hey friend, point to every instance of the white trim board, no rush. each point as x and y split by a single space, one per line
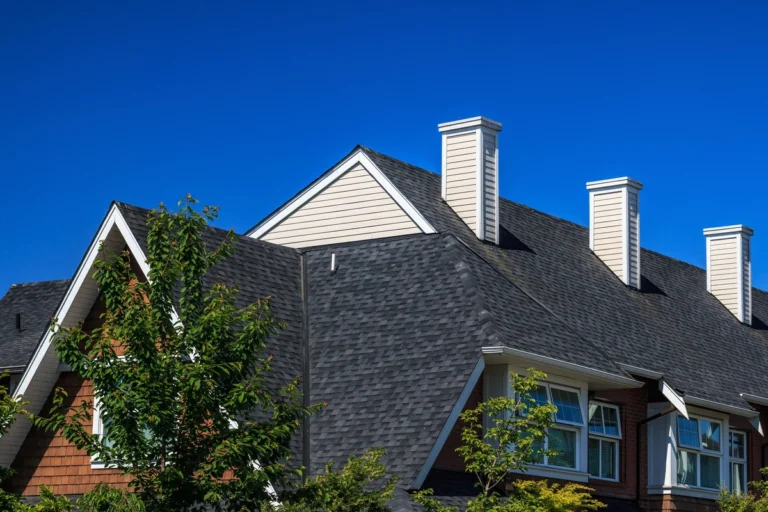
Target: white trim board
449 424
42 372
358 157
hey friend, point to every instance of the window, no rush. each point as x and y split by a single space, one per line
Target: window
563 437
604 433
699 452
737 453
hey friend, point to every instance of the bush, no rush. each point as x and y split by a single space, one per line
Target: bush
104 498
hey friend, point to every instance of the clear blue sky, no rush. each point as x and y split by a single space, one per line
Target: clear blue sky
242 104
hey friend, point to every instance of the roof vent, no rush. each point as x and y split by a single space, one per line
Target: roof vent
471 173
729 269
614 226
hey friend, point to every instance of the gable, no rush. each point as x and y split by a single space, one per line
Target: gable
353 201
354 207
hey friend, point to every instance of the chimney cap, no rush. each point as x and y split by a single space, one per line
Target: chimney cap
626 181
729 230
469 123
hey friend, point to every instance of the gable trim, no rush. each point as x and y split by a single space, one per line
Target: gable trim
449 424
358 157
44 351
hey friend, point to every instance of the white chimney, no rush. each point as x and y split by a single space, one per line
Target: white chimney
471 173
614 226
729 269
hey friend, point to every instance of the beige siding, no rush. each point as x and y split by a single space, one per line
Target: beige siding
724 272
634 239
354 207
609 230
461 176
490 186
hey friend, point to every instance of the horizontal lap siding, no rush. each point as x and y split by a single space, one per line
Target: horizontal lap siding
609 230
724 272
354 207
490 186
461 176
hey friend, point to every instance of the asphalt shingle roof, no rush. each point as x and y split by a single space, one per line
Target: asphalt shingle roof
37 303
673 325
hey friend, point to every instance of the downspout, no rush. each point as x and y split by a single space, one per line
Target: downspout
305 439
639 451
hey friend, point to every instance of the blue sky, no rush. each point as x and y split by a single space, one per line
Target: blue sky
242 104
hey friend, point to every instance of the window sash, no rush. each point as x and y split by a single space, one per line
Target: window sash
572 391
601 444
743 446
603 431
701 455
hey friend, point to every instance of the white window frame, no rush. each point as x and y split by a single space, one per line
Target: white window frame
605 438
496 378
700 450
737 460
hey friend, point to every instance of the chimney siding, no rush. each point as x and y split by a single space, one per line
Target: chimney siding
470 173
614 226
729 269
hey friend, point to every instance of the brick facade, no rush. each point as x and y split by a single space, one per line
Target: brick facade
623 495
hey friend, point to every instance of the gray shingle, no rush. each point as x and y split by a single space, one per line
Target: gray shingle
672 326
37 303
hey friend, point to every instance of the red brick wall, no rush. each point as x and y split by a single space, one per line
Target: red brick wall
633 406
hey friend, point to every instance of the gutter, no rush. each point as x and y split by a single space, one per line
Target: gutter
618 379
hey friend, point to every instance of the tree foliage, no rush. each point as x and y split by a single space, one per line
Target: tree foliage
755 500
105 498
511 440
187 403
360 486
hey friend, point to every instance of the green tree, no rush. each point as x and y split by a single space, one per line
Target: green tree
360 486
755 500
189 408
511 440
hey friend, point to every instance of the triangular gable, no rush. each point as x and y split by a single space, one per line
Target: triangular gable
353 201
43 370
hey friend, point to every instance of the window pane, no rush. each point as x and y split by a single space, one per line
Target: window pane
608 459
710 435
594 457
540 395
564 443
687 432
595 419
611 420
105 433
686 468
710 471
568 408
737 445
738 478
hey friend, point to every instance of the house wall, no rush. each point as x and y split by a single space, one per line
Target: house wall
609 230
354 207
724 272
461 175
47 458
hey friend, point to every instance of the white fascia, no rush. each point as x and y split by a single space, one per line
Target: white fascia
358 157
566 365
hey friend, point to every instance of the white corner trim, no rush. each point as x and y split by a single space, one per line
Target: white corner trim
626 271
359 157
479 186
444 166
674 398
610 377
450 422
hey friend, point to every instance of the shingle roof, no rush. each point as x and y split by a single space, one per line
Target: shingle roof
36 302
673 325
